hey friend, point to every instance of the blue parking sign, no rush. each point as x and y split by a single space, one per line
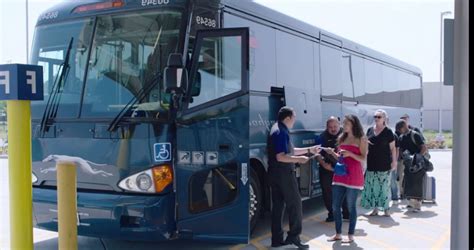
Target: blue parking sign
21 82
162 151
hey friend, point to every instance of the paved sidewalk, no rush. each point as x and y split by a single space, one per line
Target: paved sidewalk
429 229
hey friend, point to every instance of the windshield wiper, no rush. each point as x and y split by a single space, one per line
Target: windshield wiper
51 109
136 98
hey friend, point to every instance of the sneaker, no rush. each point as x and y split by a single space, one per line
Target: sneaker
395 202
416 210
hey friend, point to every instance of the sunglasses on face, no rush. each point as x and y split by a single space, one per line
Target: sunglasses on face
377 117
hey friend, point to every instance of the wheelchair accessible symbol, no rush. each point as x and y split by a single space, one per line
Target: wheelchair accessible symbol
162 151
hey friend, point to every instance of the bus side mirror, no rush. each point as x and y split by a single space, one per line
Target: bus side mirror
175 75
196 89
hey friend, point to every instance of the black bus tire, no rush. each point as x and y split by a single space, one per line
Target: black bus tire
256 202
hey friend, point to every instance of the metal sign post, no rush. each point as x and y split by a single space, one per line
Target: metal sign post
19 84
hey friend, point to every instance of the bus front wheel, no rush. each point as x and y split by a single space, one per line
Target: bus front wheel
255 204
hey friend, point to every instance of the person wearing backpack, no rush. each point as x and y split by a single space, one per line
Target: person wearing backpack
411 143
406 118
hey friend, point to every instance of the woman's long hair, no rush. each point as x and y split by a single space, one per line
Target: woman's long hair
357 129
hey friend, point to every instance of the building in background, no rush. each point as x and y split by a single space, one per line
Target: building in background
437 98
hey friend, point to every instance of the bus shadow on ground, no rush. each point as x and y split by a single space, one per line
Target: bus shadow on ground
97 243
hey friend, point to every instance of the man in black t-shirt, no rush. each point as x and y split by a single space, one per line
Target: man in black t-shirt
327 162
411 142
406 118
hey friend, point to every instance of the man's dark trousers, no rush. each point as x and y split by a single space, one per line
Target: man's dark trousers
285 192
325 179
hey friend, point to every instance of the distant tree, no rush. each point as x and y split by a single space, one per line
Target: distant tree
3 107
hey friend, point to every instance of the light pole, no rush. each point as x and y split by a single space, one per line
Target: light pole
440 136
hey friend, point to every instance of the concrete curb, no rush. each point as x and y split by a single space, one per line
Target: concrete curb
440 149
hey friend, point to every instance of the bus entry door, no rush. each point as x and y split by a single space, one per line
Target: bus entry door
212 166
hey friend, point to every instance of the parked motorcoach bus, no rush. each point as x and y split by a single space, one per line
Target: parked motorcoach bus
165 107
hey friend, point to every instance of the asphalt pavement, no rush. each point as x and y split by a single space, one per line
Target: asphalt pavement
428 229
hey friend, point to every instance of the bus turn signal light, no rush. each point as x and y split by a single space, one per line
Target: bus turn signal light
162 176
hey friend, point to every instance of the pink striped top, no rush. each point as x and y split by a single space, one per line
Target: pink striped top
355 176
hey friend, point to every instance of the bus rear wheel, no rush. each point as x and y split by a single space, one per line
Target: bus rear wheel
255 204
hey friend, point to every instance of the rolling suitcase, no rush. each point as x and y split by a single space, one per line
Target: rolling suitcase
429 189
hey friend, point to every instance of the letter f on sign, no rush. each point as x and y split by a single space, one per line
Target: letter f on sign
5 81
32 80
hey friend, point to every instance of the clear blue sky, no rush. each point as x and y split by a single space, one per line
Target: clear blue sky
405 29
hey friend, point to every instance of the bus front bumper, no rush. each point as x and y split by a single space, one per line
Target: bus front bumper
115 216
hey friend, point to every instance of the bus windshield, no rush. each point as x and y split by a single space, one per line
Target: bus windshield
129 52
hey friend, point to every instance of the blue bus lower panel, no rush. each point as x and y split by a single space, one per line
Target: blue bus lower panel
127 217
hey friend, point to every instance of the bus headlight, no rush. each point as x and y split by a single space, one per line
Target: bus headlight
144 182
153 180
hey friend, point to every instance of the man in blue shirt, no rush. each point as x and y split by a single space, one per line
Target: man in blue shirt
284 187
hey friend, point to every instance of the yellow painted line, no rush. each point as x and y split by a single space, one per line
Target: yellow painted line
377 242
258 239
367 238
259 246
424 221
405 231
313 216
312 242
442 240
238 247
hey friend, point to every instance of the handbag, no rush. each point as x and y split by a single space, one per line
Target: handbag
427 165
340 168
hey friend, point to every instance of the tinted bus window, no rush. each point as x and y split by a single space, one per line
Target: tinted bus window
262 57
347 77
415 91
49 51
294 61
316 69
392 96
331 80
127 56
373 82
404 89
358 76
220 62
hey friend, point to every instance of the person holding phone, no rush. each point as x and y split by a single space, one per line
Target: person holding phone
326 163
352 146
